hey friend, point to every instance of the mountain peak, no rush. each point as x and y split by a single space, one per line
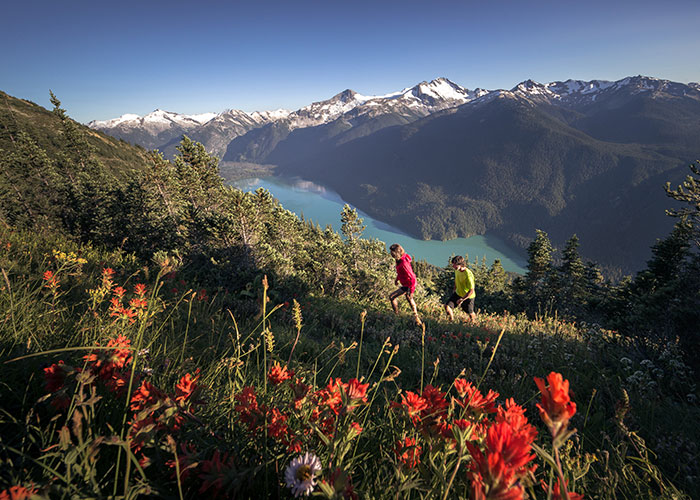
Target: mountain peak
346 95
437 91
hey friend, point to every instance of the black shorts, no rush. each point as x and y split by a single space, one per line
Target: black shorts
467 305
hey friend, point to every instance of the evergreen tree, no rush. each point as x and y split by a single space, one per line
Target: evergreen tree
198 175
497 279
663 301
689 193
351 223
86 188
573 288
494 290
536 289
29 185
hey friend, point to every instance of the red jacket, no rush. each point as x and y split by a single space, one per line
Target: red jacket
404 272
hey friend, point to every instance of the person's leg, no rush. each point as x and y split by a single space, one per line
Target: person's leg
468 307
448 309
414 308
393 299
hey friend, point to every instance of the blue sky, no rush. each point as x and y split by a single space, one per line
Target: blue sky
104 59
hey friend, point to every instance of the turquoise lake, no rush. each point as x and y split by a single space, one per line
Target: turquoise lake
322 206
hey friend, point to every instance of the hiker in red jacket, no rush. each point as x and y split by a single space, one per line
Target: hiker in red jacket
407 278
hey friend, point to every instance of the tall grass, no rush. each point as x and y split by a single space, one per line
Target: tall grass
195 358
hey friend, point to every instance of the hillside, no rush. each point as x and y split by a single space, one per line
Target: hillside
169 336
16 115
504 168
512 162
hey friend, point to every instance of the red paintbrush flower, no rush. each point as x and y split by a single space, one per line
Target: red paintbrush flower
556 491
556 407
496 471
408 452
279 374
185 387
355 390
54 377
413 404
473 400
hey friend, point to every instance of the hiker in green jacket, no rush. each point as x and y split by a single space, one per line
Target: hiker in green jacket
464 292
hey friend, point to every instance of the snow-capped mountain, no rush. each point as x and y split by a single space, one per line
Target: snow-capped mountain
574 93
161 129
218 132
153 129
349 115
420 100
593 155
257 133
156 121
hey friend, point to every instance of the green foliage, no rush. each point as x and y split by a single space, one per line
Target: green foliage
209 253
93 446
662 303
689 193
351 223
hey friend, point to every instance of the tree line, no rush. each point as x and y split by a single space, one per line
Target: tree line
230 239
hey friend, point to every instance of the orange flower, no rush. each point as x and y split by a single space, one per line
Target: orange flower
413 404
185 387
140 289
472 398
51 280
556 407
248 409
54 377
408 452
138 303
277 426
330 397
106 363
556 492
355 390
117 310
146 395
17 493
279 374
496 471
435 413
514 414
435 399
120 357
119 291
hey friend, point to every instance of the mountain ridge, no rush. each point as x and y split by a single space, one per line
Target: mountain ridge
538 156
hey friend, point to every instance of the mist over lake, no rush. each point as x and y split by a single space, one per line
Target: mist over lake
322 206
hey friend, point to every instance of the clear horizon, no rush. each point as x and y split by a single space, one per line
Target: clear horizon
103 61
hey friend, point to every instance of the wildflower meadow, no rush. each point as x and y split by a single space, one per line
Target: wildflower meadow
127 381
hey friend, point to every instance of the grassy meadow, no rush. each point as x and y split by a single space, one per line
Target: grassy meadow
164 335
126 379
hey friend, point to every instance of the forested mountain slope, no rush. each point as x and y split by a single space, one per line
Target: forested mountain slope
511 163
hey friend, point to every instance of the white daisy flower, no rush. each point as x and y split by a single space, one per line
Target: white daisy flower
300 473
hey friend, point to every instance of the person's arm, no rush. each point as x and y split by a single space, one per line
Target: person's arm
462 299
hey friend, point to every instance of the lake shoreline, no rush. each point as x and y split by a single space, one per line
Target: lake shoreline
322 205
